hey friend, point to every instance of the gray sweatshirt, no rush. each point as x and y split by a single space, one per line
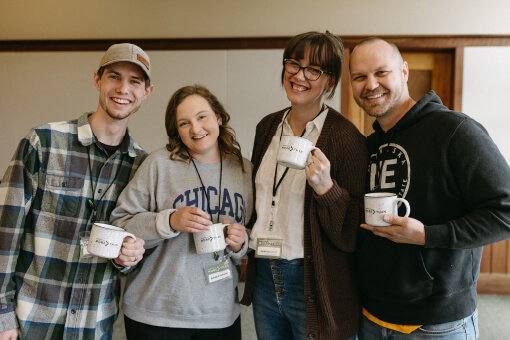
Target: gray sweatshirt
169 288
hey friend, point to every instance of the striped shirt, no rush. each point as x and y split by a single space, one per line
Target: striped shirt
48 198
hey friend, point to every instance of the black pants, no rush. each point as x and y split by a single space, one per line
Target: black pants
140 331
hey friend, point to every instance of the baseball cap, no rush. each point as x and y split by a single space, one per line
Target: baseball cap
127 52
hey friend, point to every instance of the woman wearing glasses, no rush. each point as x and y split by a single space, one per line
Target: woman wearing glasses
300 273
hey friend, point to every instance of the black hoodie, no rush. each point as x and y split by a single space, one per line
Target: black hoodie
458 185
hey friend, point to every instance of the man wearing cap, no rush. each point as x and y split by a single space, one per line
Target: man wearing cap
62 178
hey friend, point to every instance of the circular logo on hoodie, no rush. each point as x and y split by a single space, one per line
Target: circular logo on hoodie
390 170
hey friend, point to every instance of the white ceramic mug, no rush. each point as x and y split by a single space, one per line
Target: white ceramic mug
210 240
293 151
378 204
106 240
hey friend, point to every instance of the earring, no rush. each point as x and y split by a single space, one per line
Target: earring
220 123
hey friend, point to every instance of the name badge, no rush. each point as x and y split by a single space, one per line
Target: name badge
218 272
270 248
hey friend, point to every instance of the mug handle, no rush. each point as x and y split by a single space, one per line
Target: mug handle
224 226
408 207
129 235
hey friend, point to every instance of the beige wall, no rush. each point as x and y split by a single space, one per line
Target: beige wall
54 86
94 19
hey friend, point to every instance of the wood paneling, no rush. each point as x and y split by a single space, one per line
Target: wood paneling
443 65
499 256
497 284
420 83
507 271
496 258
485 264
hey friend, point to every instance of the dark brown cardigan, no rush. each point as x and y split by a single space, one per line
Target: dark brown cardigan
331 222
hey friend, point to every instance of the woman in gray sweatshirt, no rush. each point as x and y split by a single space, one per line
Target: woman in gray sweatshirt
198 179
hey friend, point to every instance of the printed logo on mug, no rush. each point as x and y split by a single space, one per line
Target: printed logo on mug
106 240
293 151
378 204
210 240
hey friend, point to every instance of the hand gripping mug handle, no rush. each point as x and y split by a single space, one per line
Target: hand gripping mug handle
224 226
129 235
408 208
312 148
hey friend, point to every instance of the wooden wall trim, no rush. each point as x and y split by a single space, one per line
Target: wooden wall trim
147 44
408 43
345 87
420 43
458 73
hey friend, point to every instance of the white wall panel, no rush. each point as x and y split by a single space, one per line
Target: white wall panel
47 87
171 71
44 87
254 90
486 91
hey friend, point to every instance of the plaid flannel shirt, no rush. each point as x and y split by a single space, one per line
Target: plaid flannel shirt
47 288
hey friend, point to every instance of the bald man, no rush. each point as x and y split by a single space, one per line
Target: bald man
418 275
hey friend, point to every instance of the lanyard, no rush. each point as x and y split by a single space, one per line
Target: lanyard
216 255
92 202
277 185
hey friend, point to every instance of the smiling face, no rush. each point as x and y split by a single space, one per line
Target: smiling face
121 90
303 92
379 79
198 128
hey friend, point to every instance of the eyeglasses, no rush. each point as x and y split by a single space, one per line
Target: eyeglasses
310 73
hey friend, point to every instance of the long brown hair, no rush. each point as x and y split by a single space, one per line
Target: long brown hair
226 140
326 51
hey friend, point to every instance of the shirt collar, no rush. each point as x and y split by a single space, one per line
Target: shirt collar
318 122
86 136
